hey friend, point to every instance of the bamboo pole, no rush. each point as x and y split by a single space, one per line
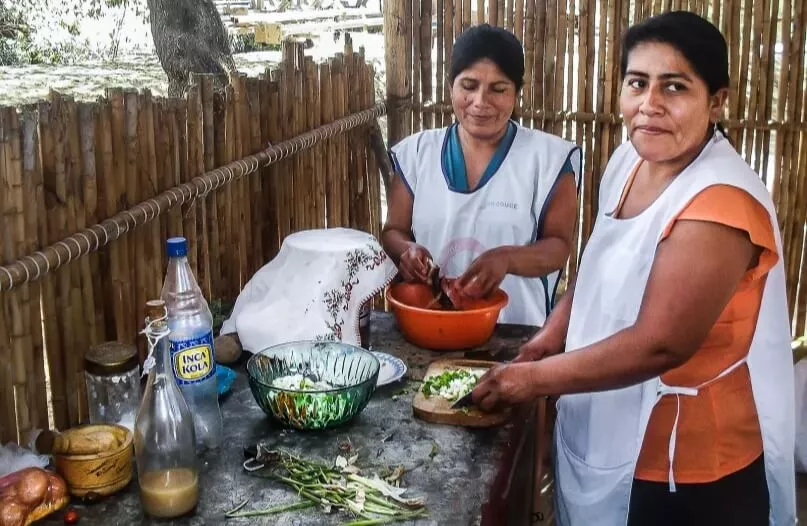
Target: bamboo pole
440 67
538 66
782 186
33 196
53 333
273 135
193 161
215 115
57 215
255 242
162 149
300 186
173 175
426 71
337 80
560 62
81 294
762 139
448 44
8 413
569 29
267 183
232 213
196 167
17 303
417 57
796 151
211 241
314 120
529 64
396 49
742 101
242 149
87 185
374 176
326 90
149 270
224 155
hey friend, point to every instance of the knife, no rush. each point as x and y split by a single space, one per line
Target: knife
464 401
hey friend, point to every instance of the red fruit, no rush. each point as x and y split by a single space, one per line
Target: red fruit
71 516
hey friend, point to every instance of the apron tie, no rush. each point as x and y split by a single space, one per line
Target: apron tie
664 390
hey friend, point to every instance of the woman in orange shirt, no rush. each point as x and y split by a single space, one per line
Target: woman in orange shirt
676 386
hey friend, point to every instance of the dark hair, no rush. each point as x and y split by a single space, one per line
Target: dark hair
494 43
697 39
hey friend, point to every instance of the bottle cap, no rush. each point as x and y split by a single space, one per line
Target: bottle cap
176 247
110 358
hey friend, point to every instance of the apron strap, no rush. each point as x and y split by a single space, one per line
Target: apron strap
664 390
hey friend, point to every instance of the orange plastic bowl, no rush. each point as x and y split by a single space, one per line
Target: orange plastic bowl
443 330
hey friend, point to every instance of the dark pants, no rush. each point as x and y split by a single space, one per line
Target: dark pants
739 499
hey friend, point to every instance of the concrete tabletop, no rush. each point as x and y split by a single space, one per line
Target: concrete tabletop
454 468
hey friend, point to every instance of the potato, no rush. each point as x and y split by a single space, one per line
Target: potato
32 488
12 513
228 349
58 488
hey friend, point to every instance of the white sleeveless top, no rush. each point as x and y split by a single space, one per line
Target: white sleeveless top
508 209
599 435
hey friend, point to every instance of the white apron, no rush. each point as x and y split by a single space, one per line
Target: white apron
457 227
599 435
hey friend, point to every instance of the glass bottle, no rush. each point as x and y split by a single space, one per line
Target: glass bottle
191 341
164 437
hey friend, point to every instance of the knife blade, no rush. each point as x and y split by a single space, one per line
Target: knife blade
464 401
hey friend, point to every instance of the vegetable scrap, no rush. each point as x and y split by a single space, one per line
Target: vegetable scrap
341 486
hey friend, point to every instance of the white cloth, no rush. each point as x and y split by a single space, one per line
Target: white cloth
509 209
599 435
312 290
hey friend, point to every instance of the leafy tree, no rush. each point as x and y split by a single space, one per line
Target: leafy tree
188 35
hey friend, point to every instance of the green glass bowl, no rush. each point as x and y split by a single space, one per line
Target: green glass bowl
352 371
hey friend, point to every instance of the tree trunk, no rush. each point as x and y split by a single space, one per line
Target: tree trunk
190 38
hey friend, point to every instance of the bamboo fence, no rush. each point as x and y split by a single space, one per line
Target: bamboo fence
105 183
571 88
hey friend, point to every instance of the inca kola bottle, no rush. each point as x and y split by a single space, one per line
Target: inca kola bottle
191 340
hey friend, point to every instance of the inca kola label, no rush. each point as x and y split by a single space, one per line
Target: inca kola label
192 364
193 359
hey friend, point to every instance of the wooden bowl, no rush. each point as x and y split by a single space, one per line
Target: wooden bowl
443 330
101 473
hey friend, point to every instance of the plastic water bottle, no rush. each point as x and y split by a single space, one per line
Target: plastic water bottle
191 340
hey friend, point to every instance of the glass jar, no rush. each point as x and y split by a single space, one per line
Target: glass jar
364 323
112 375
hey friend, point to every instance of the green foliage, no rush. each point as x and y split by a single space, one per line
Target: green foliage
26 27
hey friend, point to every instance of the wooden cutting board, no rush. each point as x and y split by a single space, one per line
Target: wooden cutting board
437 409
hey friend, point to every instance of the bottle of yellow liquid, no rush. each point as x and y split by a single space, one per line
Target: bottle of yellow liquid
164 437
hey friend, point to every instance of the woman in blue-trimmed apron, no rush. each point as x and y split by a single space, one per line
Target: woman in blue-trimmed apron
676 384
487 201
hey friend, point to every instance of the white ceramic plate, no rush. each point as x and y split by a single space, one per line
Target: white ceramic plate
392 368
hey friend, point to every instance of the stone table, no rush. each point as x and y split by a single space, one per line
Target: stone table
454 468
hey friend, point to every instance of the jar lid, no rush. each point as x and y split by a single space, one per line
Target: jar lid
110 358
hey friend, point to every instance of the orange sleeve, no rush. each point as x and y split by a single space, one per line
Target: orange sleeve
733 207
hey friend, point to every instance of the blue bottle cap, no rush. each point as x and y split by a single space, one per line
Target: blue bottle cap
176 247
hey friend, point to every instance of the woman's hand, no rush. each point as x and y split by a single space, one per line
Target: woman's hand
540 346
414 263
483 276
505 385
